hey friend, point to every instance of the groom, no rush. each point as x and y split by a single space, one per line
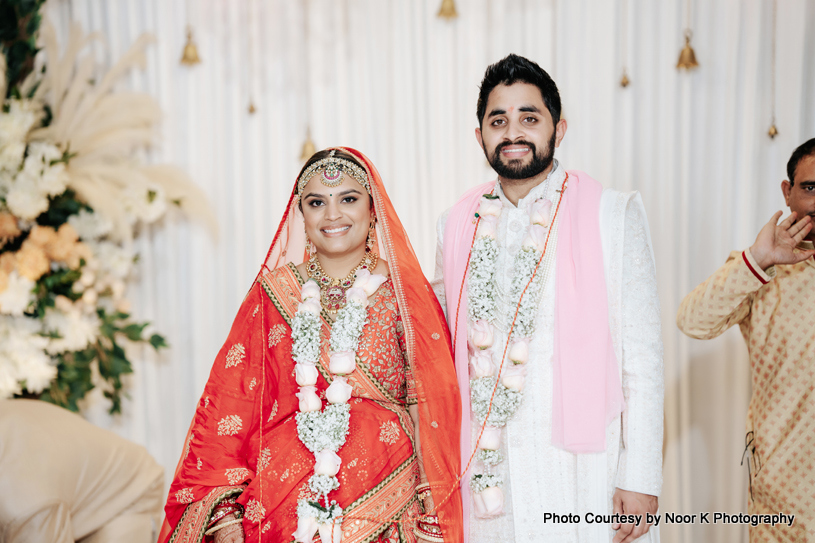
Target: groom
550 292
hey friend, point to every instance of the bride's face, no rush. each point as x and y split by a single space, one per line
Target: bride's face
337 218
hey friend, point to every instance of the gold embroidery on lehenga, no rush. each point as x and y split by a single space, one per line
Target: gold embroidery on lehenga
276 334
184 495
229 425
389 432
235 355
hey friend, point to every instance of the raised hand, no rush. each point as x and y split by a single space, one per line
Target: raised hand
776 242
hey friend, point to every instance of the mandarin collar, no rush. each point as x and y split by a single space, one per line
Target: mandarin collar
556 178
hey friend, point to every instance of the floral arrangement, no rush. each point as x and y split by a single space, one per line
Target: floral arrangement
72 197
496 392
323 431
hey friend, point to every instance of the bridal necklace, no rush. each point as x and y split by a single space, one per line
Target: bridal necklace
332 289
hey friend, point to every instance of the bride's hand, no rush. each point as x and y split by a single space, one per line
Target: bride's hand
230 534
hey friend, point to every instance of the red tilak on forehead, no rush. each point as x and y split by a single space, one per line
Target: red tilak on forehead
511 109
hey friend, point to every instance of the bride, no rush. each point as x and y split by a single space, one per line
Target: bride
333 407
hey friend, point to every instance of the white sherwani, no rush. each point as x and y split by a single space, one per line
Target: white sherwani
540 478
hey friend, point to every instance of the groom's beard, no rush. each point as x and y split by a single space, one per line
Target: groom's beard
514 169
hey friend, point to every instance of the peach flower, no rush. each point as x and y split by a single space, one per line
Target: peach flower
327 462
481 364
519 352
536 239
339 391
481 335
310 290
8 226
541 212
309 401
306 528
32 263
369 282
490 439
3 281
342 363
489 207
487 227
489 503
305 374
8 262
514 377
41 235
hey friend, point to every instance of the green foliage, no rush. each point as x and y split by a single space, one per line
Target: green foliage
74 377
19 22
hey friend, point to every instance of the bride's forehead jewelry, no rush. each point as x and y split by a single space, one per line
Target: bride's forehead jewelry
332 169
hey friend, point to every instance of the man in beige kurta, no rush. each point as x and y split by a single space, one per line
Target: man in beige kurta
63 480
769 291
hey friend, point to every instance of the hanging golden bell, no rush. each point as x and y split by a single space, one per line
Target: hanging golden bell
687 57
624 82
773 131
190 55
447 10
308 147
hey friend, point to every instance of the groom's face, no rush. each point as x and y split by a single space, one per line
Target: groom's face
517 133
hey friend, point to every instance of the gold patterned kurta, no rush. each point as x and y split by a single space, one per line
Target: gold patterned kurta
775 309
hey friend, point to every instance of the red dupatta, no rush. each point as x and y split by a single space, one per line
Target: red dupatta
265 390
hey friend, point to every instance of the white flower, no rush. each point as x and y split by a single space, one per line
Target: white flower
76 329
305 374
487 227
309 401
358 295
368 282
342 363
490 439
339 391
481 364
19 294
489 207
146 204
541 212
519 352
112 259
90 297
331 532
49 180
327 462
312 305
22 357
25 200
306 528
514 377
481 335
489 502
310 290
536 239
89 225
11 155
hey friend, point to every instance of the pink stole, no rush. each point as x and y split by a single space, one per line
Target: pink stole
587 392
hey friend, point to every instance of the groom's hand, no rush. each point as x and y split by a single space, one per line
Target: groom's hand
632 503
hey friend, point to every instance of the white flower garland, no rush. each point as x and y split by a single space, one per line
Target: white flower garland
324 431
504 390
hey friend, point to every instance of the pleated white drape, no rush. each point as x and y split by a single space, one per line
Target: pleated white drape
391 79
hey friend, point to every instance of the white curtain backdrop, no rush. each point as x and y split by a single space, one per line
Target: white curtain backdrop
391 79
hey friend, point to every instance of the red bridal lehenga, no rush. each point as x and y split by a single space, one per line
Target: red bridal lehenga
243 438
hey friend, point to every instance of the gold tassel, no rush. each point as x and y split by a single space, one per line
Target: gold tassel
773 131
624 82
687 57
447 10
190 55
308 147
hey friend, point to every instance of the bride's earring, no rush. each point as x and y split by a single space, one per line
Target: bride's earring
310 248
371 243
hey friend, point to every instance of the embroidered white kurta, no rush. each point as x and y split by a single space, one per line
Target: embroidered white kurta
540 478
